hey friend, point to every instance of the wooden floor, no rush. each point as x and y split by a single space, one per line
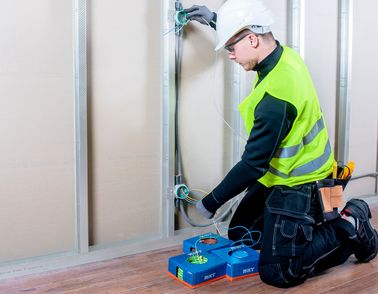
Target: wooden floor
147 273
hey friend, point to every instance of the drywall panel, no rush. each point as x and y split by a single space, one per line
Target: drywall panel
202 133
206 102
320 55
364 104
125 119
36 130
279 9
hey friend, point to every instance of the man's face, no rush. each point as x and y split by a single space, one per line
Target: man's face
242 49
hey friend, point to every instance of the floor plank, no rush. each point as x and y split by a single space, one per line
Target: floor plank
147 273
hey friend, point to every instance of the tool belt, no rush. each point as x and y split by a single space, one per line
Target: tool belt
331 196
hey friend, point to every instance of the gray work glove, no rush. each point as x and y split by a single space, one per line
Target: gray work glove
203 211
202 14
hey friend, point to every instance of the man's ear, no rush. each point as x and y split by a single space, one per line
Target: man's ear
253 40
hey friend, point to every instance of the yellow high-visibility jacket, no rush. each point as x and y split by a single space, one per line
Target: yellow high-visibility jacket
305 154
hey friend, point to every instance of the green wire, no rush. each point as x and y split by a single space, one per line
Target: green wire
197 259
181 18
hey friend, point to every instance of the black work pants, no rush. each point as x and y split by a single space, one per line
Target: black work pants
295 243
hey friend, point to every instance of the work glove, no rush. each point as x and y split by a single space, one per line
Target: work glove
202 14
203 211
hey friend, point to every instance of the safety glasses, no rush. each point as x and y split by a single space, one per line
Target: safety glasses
230 47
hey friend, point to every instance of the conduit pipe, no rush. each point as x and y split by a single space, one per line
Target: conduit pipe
178 176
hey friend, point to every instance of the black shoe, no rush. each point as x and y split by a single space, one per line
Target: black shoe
366 235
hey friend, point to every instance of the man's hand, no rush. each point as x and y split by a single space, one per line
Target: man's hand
202 14
203 211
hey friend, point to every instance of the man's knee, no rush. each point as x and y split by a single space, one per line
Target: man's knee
279 275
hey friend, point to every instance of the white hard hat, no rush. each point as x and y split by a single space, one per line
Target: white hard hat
235 15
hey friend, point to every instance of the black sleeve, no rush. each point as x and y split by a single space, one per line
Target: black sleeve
273 121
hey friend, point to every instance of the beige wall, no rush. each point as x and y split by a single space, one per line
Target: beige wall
36 112
125 120
364 124
202 131
320 55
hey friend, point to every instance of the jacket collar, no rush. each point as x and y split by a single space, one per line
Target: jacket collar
269 62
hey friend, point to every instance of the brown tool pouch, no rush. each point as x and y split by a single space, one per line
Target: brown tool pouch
331 197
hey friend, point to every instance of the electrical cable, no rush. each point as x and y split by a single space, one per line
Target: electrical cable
220 218
178 62
211 236
242 239
181 203
199 190
181 193
216 227
236 134
182 196
252 241
181 26
173 29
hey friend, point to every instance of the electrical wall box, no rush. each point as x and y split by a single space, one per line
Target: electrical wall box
196 269
242 261
205 243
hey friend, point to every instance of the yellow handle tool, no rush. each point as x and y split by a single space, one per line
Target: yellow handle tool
348 170
334 172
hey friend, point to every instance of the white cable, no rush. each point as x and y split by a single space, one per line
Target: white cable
214 97
167 32
216 226
172 29
214 79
